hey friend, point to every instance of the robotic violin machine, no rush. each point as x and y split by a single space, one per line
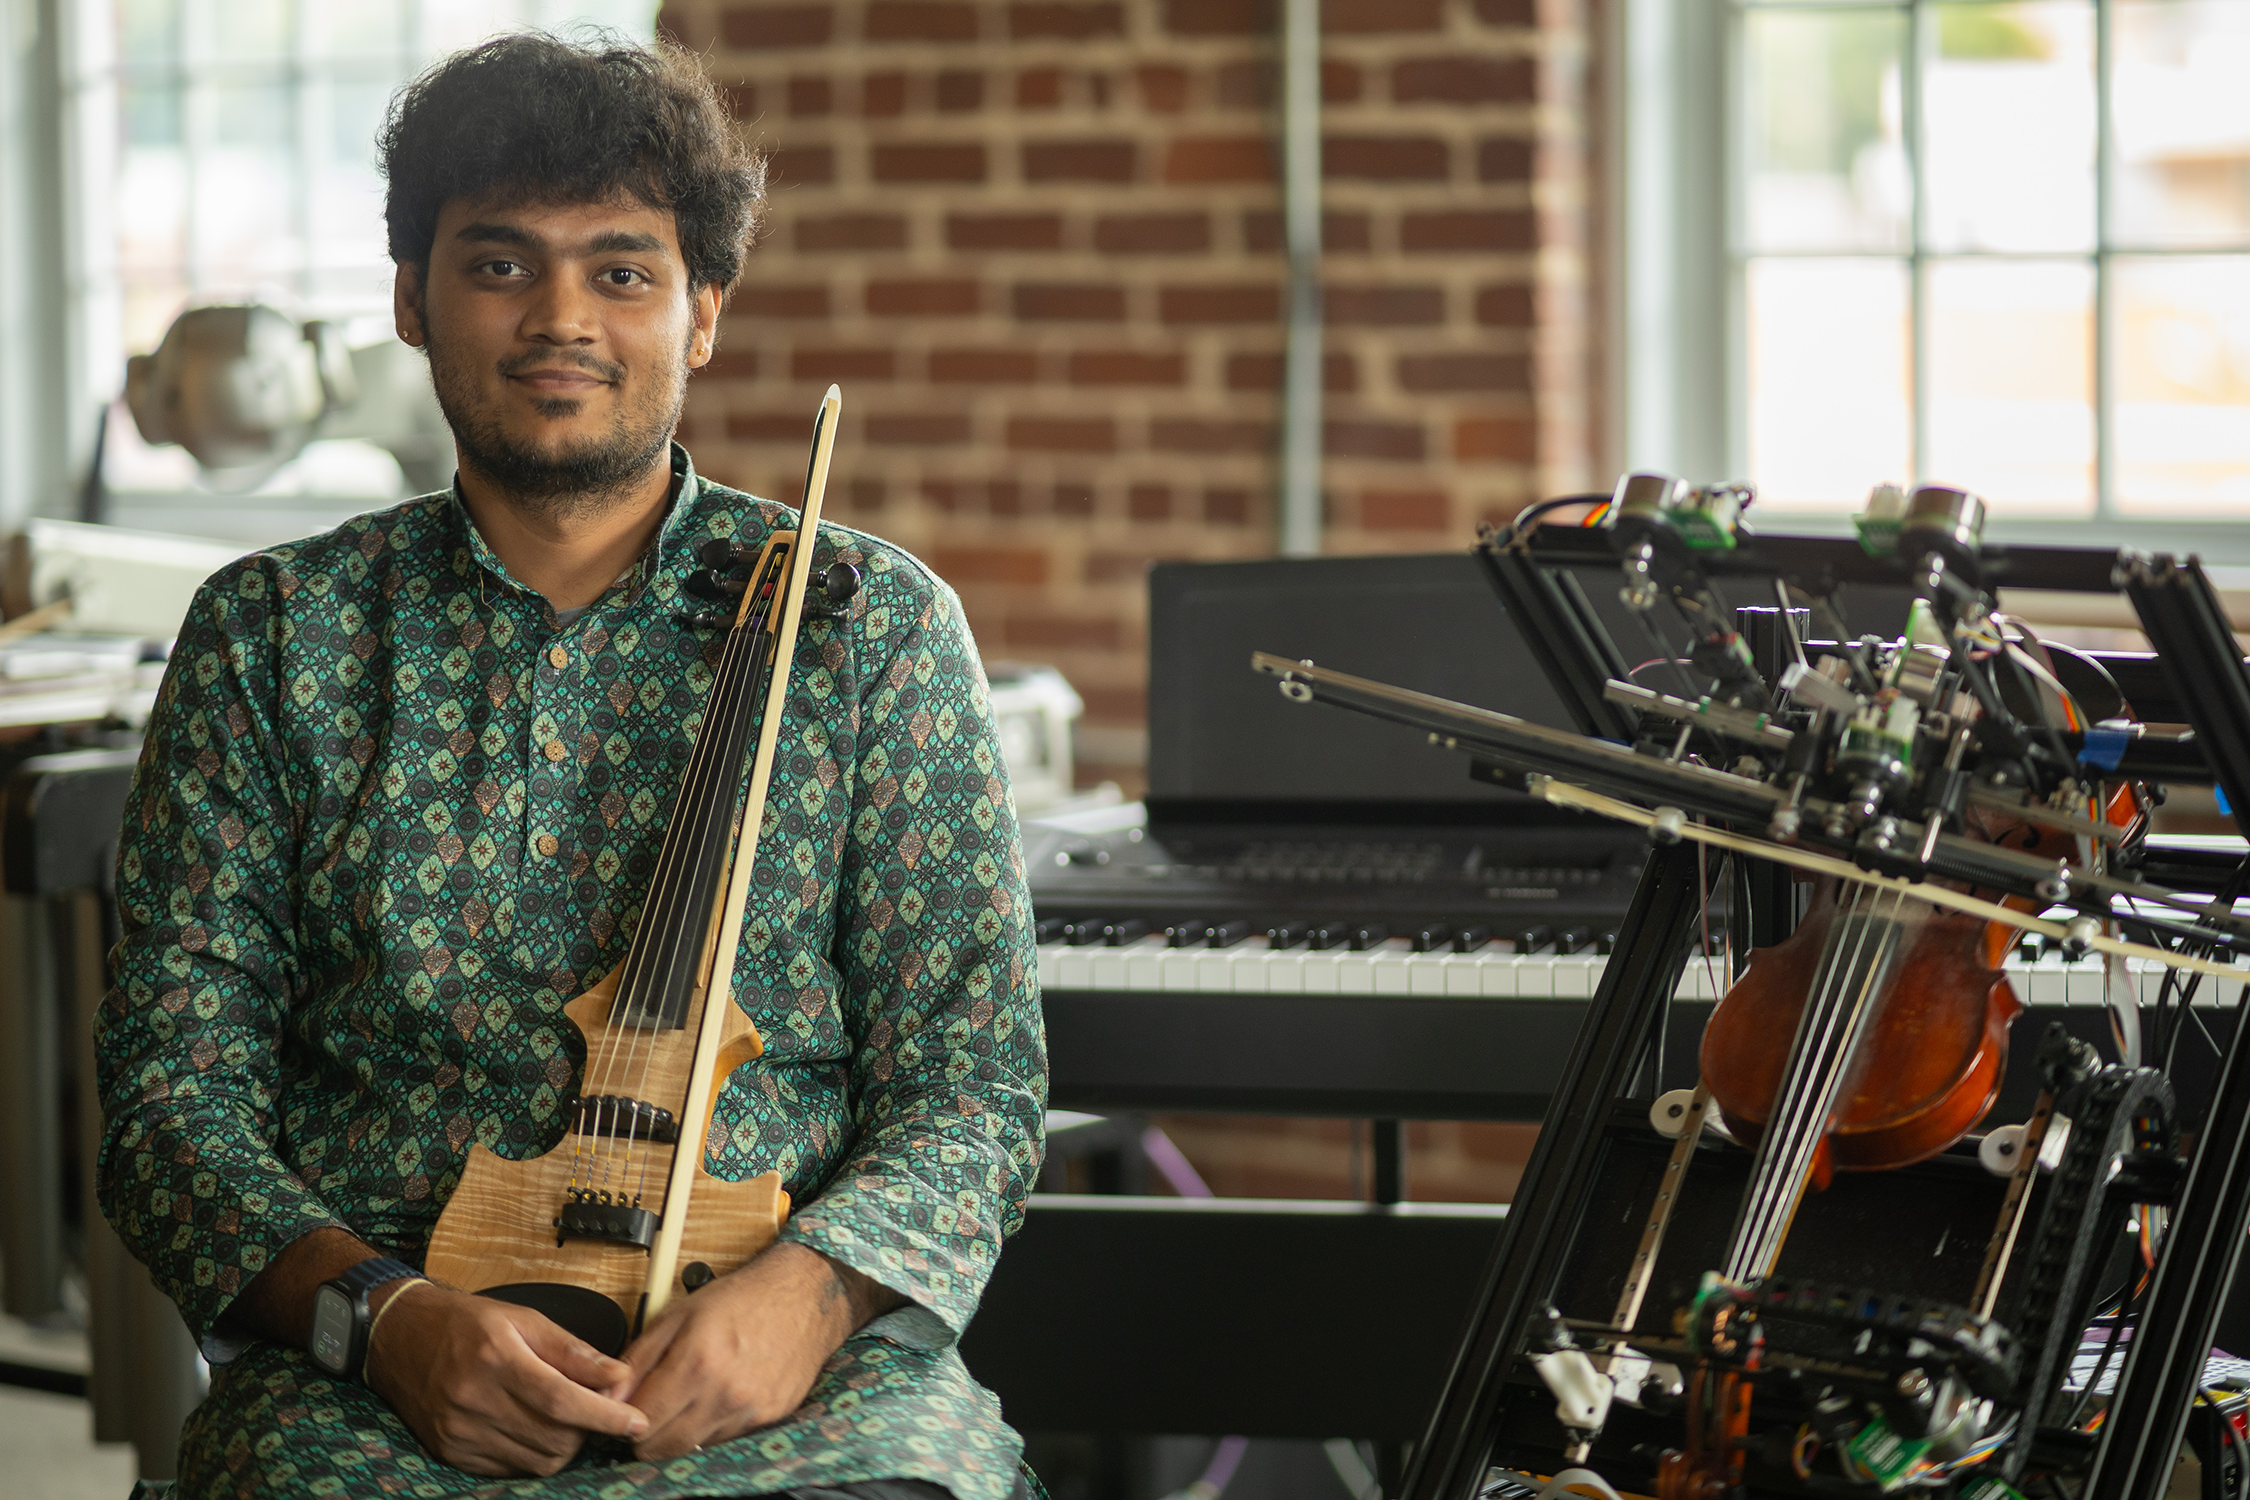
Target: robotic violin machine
1823 1269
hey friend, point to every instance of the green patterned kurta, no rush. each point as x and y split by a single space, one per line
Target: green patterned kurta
383 832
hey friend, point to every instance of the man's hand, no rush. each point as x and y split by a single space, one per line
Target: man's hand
741 1353
493 1388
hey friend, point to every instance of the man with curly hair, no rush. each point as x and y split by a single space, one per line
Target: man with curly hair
400 803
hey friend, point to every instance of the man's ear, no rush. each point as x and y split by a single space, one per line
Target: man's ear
406 304
704 340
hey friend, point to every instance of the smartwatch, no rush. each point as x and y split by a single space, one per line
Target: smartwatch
340 1315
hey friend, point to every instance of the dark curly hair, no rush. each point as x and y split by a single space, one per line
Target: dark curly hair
536 119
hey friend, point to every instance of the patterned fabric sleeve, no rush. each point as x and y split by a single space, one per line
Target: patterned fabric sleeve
949 1066
188 1041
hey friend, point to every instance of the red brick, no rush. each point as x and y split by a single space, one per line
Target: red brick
984 366
1365 17
934 297
1506 306
741 99
1464 372
1263 372
1069 301
918 429
1506 438
949 162
1403 510
1149 502
811 96
1063 434
1152 234
732 364
1039 88
959 90
757 300
1072 23
1195 435
1227 507
766 28
1079 161
684 29
1220 17
1063 632
1504 160
1074 500
1256 83
950 496
842 364
1397 440
1243 158
866 494
1117 705
800 166
1468 230
1004 497
921 21
767 427
1383 306
1341 232
1003 231
1164 89
852 232
882 95
1523 13
1238 303
1381 158
989 564
1465 80
1127 367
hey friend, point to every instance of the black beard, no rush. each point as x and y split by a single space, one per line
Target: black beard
588 477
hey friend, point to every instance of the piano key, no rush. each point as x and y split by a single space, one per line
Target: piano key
1124 930
1288 934
1470 939
1227 934
1431 938
1051 930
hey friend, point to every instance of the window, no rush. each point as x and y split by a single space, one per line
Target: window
2001 243
227 150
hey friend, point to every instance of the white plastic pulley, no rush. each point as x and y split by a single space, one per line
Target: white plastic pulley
1668 1116
1582 1395
2002 1150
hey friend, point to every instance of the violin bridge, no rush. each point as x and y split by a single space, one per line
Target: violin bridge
590 1215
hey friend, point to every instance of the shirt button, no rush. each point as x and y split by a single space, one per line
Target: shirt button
555 750
558 657
548 844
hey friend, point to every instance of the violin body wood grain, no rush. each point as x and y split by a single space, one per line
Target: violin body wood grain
499 1230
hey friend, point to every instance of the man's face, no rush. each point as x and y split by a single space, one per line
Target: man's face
560 339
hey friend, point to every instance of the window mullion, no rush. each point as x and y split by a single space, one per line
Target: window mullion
2105 171
1920 39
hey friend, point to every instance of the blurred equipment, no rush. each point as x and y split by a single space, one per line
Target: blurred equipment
120 582
1033 709
244 387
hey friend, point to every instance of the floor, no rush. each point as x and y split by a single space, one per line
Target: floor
47 1448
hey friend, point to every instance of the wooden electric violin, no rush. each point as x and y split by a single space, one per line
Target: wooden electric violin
600 1232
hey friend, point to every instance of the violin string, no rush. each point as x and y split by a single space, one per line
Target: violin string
740 685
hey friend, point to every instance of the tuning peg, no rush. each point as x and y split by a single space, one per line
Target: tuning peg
840 582
712 584
707 619
721 553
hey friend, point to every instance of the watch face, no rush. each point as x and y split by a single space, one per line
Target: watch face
332 1330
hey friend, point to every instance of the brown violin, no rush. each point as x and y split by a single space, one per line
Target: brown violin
602 1231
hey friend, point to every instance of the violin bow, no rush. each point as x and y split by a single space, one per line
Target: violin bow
705 1075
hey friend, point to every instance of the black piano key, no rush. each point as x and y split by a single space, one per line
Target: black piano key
1534 939
1130 930
1287 935
1470 939
1574 940
1051 930
1085 931
1186 934
1431 939
1227 934
1369 935
1605 944
1329 935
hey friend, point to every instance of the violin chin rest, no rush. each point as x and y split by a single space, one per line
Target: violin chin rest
575 1309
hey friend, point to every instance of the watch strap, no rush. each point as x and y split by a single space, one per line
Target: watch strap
371 1273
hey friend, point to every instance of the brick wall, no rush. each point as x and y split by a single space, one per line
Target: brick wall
1039 246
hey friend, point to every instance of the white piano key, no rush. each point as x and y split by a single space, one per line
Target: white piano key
1074 968
1535 976
1047 958
2086 982
1393 966
1285 972
1574 976
1181 969
2049 981
1214 969
1463 973
1144 962
1498 975
1355 973
1427 973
